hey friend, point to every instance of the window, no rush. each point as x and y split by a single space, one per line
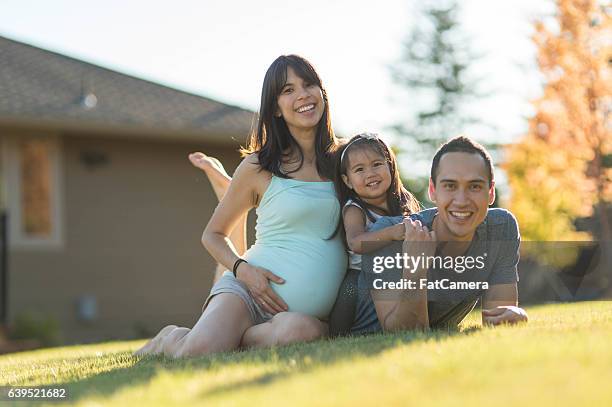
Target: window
31 171
35 162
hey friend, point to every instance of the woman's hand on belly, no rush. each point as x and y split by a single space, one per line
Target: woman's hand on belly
257 279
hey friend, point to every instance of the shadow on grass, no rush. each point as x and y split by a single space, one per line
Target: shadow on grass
295 359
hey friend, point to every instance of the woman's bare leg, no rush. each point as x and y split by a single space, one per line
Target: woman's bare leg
220 180
284 328
219 329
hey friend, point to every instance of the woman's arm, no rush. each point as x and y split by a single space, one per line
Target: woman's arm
220 181
243 194
356 235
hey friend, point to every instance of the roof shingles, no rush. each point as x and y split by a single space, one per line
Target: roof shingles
42 85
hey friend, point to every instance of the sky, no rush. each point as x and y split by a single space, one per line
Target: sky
222 48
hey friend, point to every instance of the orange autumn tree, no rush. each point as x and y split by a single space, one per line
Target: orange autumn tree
560 170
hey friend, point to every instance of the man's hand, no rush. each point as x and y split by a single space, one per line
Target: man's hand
507 314
257 280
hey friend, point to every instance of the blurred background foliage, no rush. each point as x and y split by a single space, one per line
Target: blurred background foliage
559 172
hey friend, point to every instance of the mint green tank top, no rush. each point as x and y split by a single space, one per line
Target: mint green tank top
294 219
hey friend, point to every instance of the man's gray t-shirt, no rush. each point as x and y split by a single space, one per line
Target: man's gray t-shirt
497 238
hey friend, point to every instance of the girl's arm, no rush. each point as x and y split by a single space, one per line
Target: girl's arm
243 194
356 235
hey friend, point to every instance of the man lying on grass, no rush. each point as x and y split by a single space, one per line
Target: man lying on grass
461 227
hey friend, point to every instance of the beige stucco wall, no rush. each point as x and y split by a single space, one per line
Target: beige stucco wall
131 239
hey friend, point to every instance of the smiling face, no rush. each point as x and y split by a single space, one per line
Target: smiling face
462 194
300 103
368 174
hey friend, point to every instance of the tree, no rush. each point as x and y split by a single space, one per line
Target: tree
570 136
560 169
434 72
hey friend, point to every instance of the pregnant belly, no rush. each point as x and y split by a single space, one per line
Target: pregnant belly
312 277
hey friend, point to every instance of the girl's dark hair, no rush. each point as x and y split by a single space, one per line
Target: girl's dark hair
399 200
271 138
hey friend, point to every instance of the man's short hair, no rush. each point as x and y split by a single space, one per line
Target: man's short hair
461 144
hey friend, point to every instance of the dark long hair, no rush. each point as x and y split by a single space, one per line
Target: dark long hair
271 137
399 200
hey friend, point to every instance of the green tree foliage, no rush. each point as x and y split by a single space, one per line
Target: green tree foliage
558 171
433 71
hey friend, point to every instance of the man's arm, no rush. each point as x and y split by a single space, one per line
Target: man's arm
500 302
408 309
500 295
500 305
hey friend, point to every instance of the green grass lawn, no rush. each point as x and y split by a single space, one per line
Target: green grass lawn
562 357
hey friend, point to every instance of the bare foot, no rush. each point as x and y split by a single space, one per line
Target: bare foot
153 347
214 170
207 163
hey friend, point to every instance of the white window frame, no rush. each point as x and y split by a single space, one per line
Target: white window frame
11 185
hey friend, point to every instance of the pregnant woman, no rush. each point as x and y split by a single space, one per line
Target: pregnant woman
285 285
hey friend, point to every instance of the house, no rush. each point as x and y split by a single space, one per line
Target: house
104 211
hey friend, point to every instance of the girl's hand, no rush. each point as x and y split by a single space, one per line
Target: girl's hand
418 240
257 281
415 231
397 231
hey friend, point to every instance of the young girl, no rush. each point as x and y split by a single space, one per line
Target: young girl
369 187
